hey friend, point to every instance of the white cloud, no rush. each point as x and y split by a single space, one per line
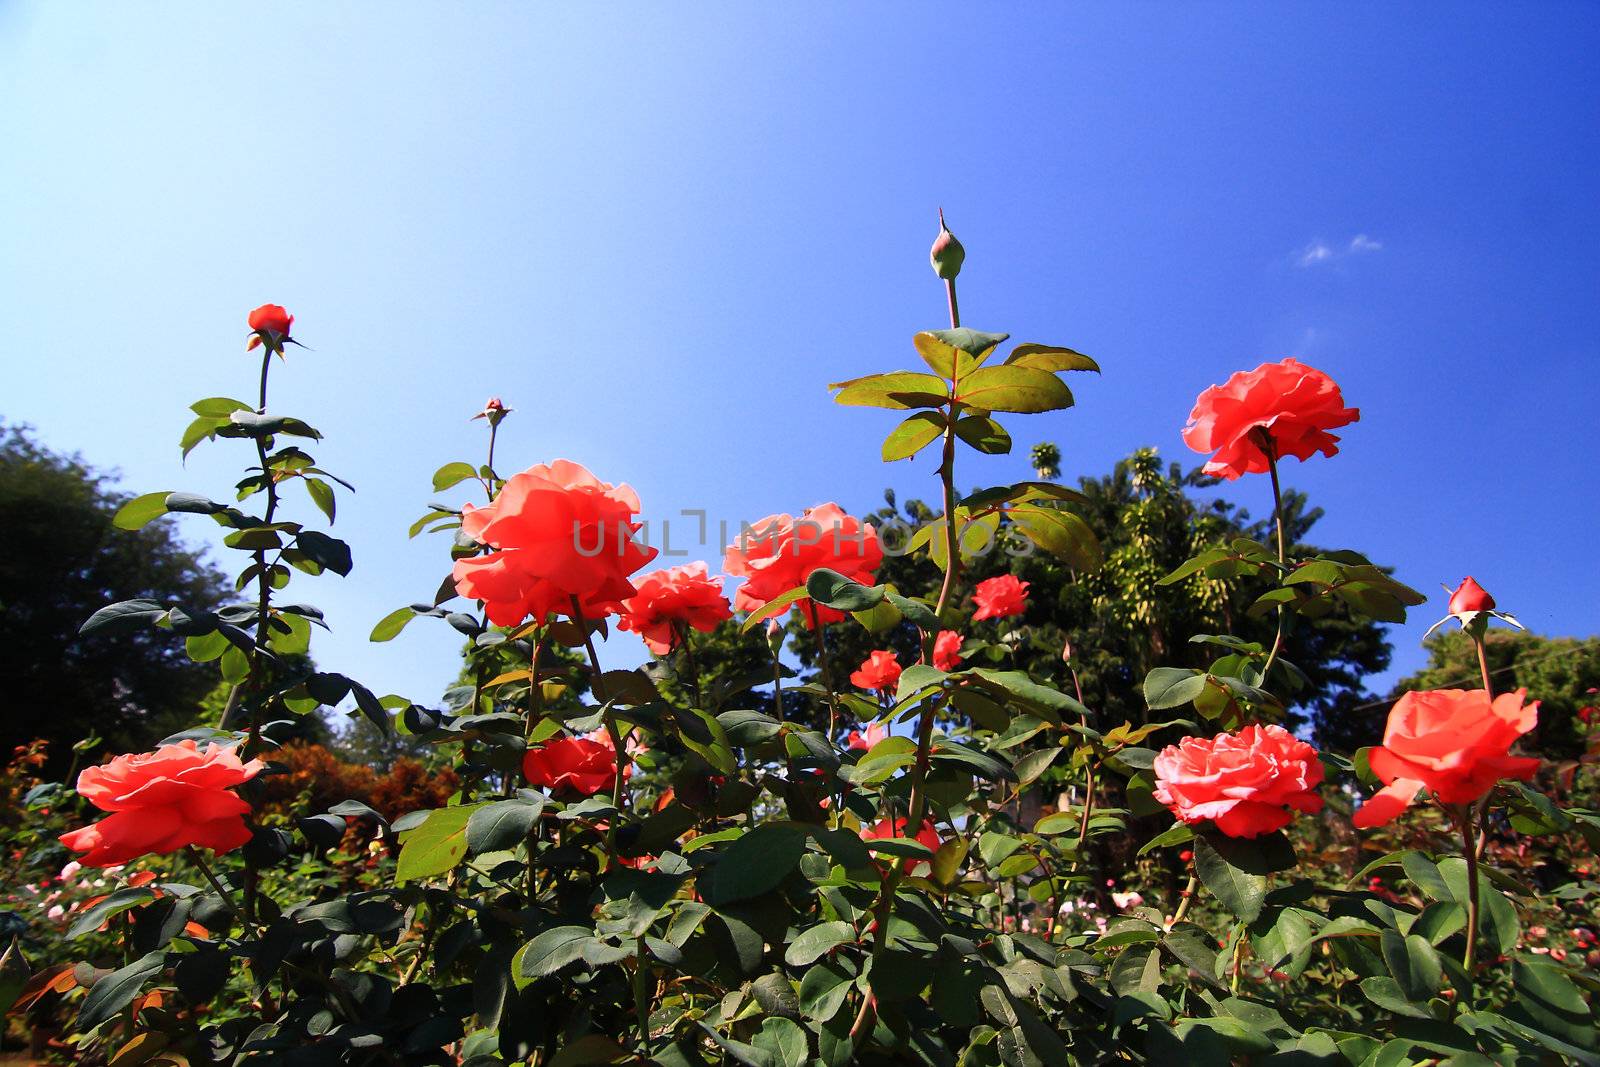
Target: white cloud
1321 252
1315 252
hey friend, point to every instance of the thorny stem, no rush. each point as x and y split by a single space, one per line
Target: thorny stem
1189 892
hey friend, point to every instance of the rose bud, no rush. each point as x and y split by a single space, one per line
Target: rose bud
269 323
1469 598
494 409
947 255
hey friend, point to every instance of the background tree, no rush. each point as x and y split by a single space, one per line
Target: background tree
60 561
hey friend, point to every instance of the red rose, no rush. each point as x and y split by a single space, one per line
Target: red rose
677 595
1244 782
780 552
1456 743
584 765
558 532
1290 403
1000 598
161 801
879 672
927 835
863 742
270 322
947 650
1469 598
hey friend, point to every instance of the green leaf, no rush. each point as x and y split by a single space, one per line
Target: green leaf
817 941
777 604
1050 358
1385 993
321 495
452 474
984 434
14 975
115 991
1236 888
218 407
756 863
913 435
898 390
1548 1002
823 989
1414 964
391 624
120 901
122 617
553 950
140 511
1178 833
502 825
1191 946
955 352
436 846
329 552
834 590
1171 687
1060 533
1011 388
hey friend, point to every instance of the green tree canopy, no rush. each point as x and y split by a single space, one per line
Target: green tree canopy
60 561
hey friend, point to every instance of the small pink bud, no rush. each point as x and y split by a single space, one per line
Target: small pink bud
947 255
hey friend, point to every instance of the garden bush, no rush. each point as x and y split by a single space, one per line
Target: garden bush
648 865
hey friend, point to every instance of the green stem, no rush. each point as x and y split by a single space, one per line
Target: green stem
618 795
919 771
216 884
1277 520
1464 819
826 671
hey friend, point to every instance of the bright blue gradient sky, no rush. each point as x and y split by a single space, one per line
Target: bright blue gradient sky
658 233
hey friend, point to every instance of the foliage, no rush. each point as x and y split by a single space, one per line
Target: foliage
131 689
759 892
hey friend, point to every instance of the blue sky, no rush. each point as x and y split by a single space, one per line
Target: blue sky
659 232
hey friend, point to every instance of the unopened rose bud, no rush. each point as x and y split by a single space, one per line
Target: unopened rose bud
1470 597
494 409
269 323
947 255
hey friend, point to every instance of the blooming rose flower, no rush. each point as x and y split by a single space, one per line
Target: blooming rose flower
1292 404
161 801
1456 743
269 320
1469 598
862 742
583 765
558 532
780 552
1000 598
927 835
947 650
676 595
1244 782
879 672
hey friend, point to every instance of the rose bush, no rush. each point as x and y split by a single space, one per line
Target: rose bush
638 866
